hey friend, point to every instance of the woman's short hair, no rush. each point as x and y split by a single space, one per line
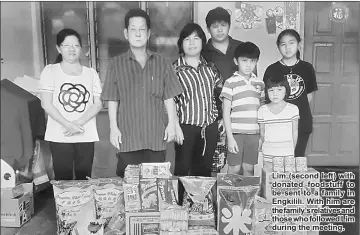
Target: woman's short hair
187 31
276 82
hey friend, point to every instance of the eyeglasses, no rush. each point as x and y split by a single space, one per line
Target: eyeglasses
67 46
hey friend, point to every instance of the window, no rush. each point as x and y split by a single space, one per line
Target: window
168 19
59 15
101 26
109 32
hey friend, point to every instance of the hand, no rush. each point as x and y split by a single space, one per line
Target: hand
115 137
232 145
221 127
179 135
169 132
73 128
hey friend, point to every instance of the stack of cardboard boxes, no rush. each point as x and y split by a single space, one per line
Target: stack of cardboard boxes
146 188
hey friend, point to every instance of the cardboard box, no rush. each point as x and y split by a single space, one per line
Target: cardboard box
142 223
15 212
29 188
12 192
267 180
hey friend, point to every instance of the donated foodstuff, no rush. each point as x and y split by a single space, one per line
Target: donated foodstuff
132 174
278 164
173 218
132 197
235 200
149 195
75 209
155 170
168 191
199 200
290 164
109 199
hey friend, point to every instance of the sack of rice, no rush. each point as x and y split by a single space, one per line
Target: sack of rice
75 208
235 200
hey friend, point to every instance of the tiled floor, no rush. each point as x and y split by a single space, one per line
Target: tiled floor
44 221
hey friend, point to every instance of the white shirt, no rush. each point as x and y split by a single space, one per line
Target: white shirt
278 130
72 97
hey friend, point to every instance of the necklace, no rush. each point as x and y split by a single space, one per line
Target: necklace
289 66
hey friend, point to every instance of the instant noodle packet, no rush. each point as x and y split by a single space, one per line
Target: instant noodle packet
132 174
262 219
198 199
202 230
149 195
173 218
155 170
168 191
132 197
75 208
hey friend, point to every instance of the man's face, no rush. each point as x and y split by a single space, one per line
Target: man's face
219 31
137 32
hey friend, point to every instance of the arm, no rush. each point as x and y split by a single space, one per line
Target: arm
110 93
310 97
262 135
115 134
172 117
97 105
172 89
179 135
91 112
295 131
232 145
47 105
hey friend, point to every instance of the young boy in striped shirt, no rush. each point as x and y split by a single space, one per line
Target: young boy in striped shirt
242 95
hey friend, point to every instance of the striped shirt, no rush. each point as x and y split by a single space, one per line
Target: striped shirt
278 139
245 98
196 105
141 93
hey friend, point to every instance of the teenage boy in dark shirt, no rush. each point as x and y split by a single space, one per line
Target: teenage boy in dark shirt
220 49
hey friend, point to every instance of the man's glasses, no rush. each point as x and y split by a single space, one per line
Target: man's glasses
67 46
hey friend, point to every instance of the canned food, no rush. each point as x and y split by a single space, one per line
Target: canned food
290 164
278 164
301 164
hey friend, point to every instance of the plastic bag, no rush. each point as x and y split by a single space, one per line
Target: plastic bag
42 164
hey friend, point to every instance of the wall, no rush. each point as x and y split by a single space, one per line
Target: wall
266 42
21 48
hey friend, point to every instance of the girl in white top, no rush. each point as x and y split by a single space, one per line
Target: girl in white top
70 95
278 121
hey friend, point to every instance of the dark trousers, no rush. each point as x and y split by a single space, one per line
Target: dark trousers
189 158
138 157
70 157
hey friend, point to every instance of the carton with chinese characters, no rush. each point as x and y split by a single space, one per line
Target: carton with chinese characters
15 211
